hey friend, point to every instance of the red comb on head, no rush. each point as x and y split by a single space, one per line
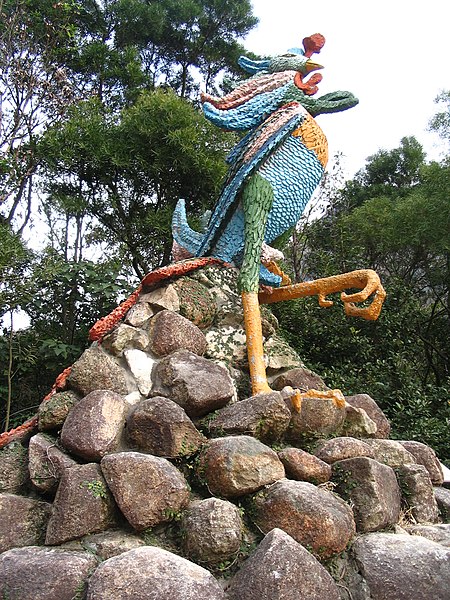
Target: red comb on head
313 44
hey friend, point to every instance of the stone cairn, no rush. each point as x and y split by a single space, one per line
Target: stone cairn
154 476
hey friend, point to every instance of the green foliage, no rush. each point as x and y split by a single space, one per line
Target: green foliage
128 171
393 217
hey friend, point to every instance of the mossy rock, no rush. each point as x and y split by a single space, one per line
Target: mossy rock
196 303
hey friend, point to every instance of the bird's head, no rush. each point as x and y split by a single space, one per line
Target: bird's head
293 61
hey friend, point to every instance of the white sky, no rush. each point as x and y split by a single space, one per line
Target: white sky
393 55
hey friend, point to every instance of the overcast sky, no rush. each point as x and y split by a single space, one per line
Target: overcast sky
393 55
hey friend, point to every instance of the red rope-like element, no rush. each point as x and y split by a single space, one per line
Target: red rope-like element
106 324
28 428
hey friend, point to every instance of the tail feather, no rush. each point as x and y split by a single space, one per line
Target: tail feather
186 237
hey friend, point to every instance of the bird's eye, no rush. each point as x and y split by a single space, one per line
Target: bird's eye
288 55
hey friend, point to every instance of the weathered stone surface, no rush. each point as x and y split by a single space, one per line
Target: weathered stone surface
141 366
83 505
22 521
160 426
442 496
46 463
36 573
264 416
417 492
226 343
279 354
301 379
53 412
14 475
169 332
358 423
212 530
371 488
150 572
196 303
234 466
341 448
403 567
367 403
111 543
149 490
96 370
124 337
165 297
94 426
424 455
304 466
435 533
195 383
390 452
314 517
281 569
318 417
139 315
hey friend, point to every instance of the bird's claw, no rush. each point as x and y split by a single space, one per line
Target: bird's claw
297 397
366 280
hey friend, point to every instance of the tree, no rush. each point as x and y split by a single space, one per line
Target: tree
128 171
394 217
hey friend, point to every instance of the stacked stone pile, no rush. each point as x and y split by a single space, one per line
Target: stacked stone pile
155 475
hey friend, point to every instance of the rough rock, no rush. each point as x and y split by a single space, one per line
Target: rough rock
282 569
149 490
390 452
417 491
36 573
139 315
95 424
319 417
442 496
226 343
424 455
264 416
435 533
165 297
111 543
368 404
371 488
341 448
303 466
46 463
141 366
279 354
169 332
152 573
195 383
159 426
196 303
14 475
314 517
234 466
96 370
403 567
83 505
212 530
53 412
358 423
22 521
301 379
124 337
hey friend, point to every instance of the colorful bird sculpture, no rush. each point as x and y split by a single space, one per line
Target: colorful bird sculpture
273 171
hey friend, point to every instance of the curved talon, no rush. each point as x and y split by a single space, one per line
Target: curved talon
324 302
335 395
